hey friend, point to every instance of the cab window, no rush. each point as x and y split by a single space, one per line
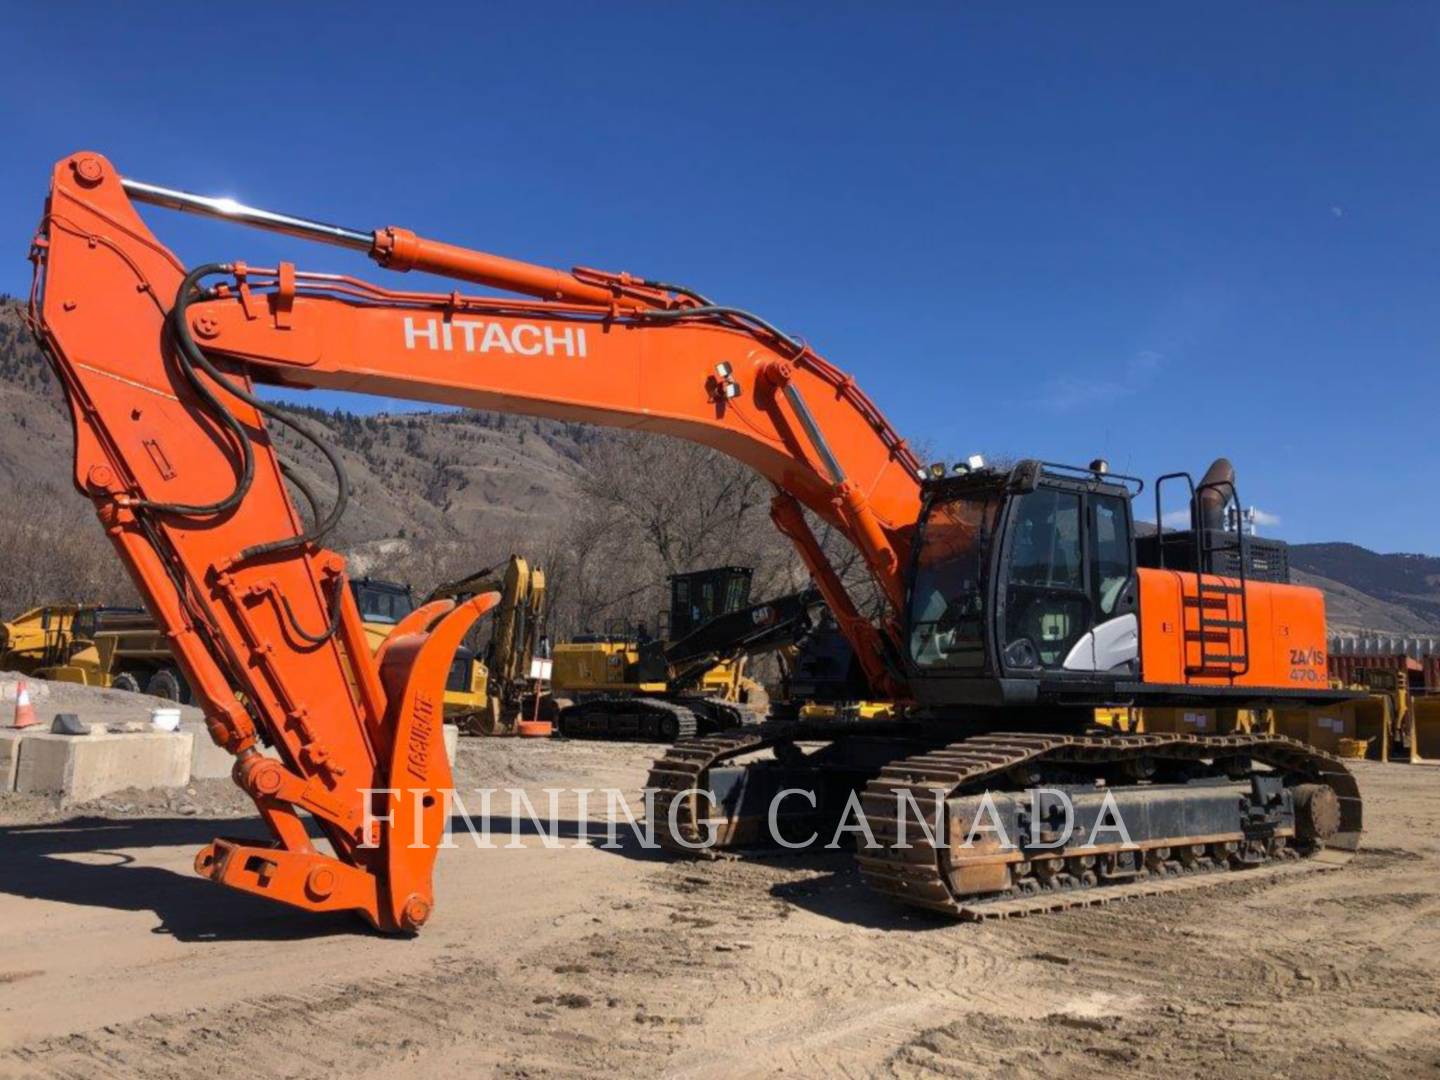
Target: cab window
1110 567
381 605
735 592
947 599
1046 606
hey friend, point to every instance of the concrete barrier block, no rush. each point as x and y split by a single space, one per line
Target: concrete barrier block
452 741
9 756
207 761
78 768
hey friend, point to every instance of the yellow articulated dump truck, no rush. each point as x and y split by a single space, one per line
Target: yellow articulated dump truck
93 645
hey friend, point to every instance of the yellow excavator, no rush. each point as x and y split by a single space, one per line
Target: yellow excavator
516 638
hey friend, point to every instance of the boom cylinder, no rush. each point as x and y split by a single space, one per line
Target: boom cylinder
393 248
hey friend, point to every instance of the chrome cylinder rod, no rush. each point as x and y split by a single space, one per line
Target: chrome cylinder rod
812 429
248 215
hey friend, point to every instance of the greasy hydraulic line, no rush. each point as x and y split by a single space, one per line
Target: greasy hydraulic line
181 329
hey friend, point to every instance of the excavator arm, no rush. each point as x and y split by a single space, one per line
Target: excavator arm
160 362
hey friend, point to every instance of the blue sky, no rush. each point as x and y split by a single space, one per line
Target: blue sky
1151 232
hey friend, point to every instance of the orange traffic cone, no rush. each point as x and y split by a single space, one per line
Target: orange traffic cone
534 728
24 711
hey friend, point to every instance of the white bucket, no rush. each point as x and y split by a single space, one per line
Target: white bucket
165 718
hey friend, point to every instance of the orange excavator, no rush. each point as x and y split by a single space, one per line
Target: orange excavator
1016 600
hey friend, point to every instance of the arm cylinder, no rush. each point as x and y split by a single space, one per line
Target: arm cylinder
393 248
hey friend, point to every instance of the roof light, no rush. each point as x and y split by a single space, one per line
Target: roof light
723 370
1099 466
975 461
937 470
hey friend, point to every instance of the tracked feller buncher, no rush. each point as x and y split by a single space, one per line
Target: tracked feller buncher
1017 601
691 679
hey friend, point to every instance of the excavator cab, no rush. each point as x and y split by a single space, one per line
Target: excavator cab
1032 586
1023 578
702 595
384 603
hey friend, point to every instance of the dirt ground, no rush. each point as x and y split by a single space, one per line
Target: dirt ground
117 960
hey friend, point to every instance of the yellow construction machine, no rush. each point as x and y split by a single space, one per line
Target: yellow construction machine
93 645
384 603
43 637
122 649
507 692
690 677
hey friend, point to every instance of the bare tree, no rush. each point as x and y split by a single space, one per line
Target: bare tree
653 506
56 551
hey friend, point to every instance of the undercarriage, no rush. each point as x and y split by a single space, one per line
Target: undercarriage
1008 823
648 718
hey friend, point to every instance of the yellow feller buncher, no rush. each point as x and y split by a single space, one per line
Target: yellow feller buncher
628 684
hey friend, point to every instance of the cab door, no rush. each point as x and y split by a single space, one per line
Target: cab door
1045 607
1067 586
1113 645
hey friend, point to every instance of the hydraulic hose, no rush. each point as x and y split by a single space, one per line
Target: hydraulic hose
194 356
191 356
188 355
735 316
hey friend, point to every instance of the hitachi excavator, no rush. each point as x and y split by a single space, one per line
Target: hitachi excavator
1016 600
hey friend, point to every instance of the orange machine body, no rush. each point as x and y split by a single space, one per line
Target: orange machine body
1279 630
175 456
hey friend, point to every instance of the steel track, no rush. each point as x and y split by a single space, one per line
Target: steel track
919 875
